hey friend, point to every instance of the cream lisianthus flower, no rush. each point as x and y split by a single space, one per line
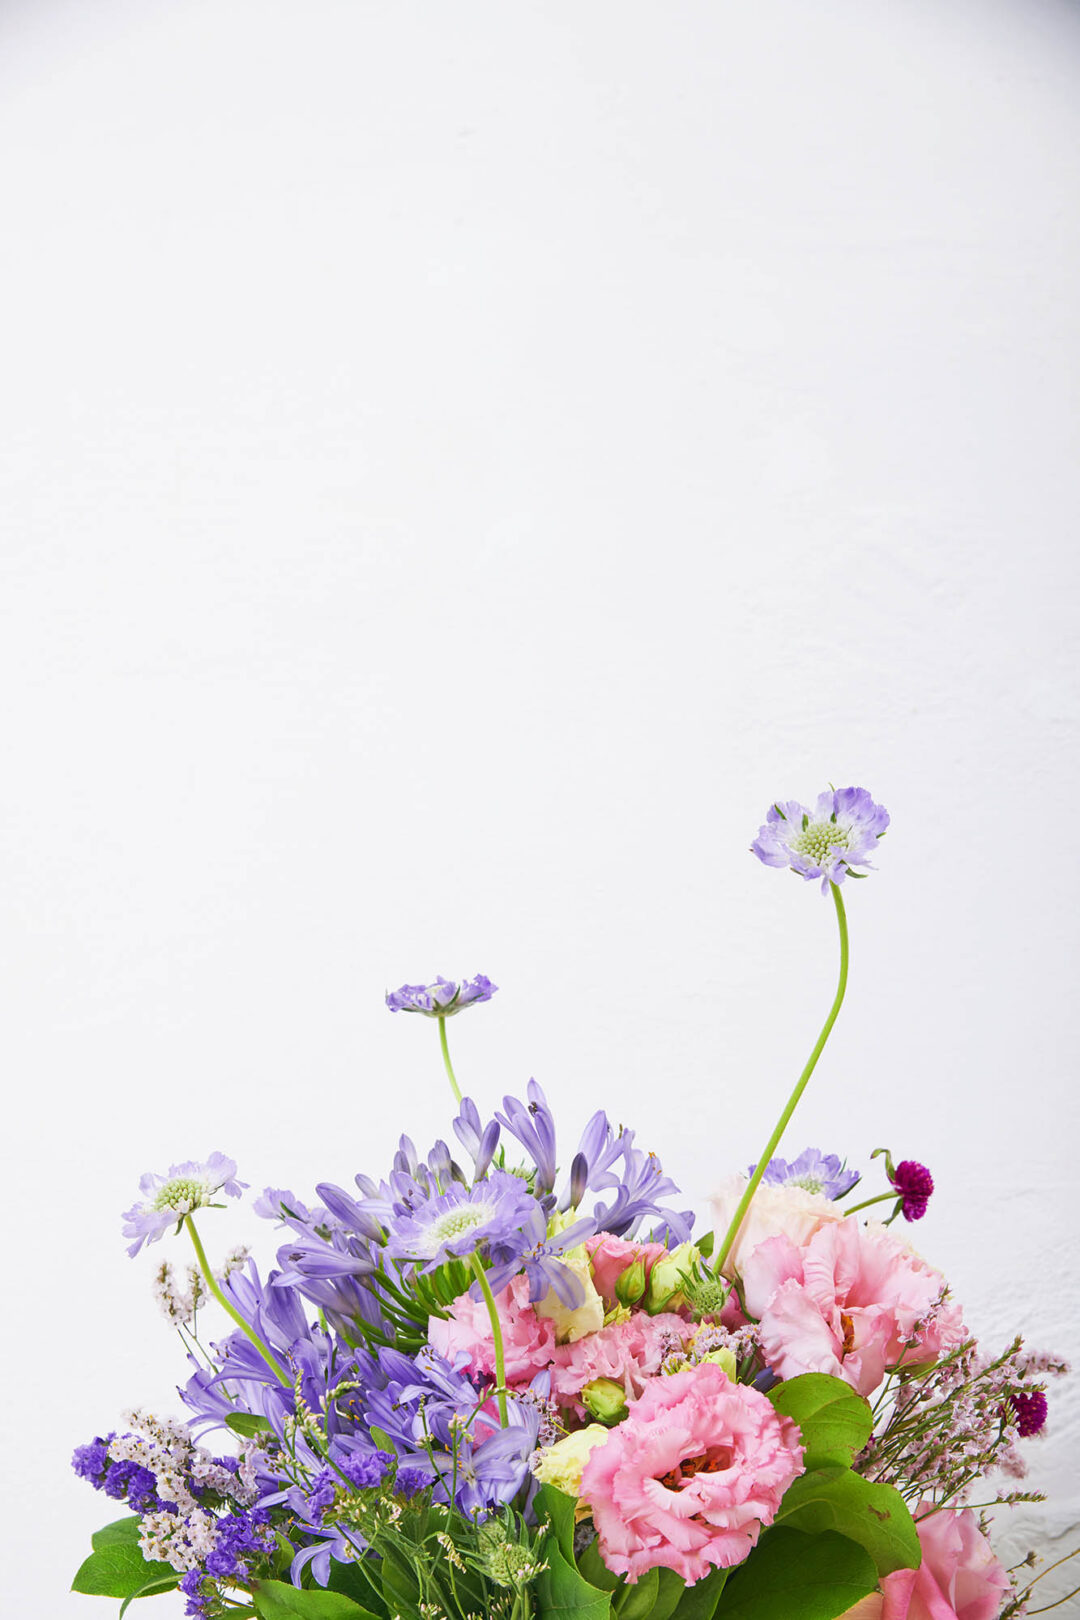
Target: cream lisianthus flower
787 1211
561 1464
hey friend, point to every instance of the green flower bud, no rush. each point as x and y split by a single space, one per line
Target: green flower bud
606 1400
631 1285
665 1291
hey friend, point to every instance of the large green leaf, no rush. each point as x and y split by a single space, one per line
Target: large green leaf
562 1591
361 1584
835 1422
121 1533
792 1576
558 1509
247 1423
875 1516
699 1602
151 1589
637 1602
119 1570
278 1600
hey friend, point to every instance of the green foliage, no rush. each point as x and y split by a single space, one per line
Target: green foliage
119 1570
248 1424
792 1576
698 1602
835 1422
874 1516
279 1600
563 1591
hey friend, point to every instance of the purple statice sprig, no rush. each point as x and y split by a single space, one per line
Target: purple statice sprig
827 842
814 1171
168 1199
442 999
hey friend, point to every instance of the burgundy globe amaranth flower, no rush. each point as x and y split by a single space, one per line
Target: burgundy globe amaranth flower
914 1183
840 833
442 999
1030 1413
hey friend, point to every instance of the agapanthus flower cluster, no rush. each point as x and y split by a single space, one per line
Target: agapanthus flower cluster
512 1378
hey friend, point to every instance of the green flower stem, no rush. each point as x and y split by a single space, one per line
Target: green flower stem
800 1086
496 1329
879 1198
454 1087
245 1327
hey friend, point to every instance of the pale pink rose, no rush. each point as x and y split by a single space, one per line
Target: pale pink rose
790 1212
627 1352
611 1256
847 1303
960 1577
528 1339
689 1477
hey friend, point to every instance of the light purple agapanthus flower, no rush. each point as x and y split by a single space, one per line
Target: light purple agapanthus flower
827 842
459 1221
813 1170
442 999
169 1198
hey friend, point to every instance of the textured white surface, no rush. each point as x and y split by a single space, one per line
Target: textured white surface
459 464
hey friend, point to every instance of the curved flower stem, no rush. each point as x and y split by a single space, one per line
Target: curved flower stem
879 1198
454 1087
496 1330
245 1327
800 1086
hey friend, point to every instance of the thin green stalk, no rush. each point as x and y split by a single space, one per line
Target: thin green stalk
454 1087
496 1329
879 1198
800 1086
245 1327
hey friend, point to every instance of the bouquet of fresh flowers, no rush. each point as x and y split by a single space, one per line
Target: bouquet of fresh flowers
480 1387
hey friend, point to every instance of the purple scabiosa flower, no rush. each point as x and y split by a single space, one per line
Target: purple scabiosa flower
827 842
1030 1413
459 1221
169 1198
914 1183
442 999
814 1171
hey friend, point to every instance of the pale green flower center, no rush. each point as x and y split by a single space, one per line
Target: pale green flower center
181 1194
809 1183
457 1223
816 840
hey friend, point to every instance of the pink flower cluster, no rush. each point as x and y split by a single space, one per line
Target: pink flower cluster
960 1577
687 1480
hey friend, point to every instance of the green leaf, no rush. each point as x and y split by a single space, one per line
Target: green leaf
874 1516
698 1602
278 1600
382 1439
361 1584
400 1587
247 1423
558 1509
791 1576
561 1591
121 1533
595 1571
151 1589
835 1422
637 1602
119 1570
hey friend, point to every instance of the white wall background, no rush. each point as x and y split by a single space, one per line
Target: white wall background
460 463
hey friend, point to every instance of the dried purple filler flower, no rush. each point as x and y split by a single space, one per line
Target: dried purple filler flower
839 833
915 1184
442 999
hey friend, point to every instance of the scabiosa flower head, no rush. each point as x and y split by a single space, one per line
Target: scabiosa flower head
1030 1413
914 1183
814 1171
460 1221
443 998
827 842
689 1478
167 1199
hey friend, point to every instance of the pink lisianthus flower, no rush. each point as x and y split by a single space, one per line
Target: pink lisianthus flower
689 1477
629 1353
960 1577
528 1339
610 1256
853 1302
